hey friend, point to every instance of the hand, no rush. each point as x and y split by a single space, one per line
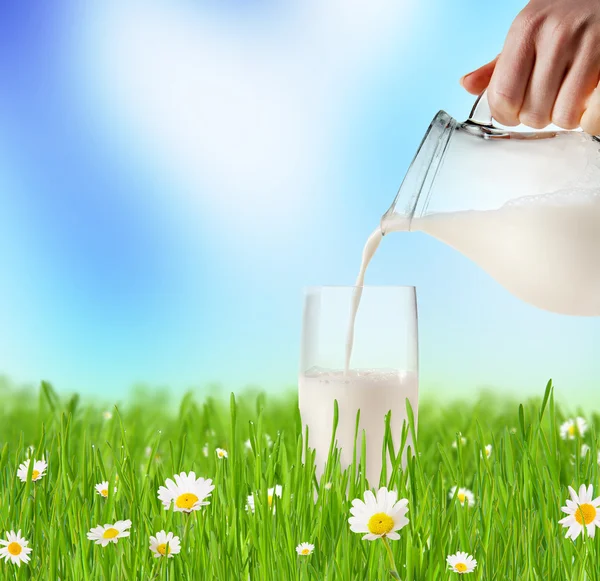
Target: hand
549 68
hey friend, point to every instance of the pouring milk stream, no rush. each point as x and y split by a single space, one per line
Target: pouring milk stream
523 205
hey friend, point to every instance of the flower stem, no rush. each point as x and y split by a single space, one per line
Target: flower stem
394 570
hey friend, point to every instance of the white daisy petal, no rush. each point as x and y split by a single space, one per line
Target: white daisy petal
582 511
378 516
305 549
276 491
15 549
109 533
358 526
186 494
164 545
461 563
37 473
370 500
463 495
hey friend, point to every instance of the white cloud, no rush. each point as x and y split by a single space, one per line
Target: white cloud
242 111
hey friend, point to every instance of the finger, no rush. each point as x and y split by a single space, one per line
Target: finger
590 120
579 83
511 75
477 81
544 84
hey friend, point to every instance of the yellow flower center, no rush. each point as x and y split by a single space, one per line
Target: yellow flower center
380 524
571 430
305 551
14 549
104 492
586 513
35 475
461 497
110 533
270 497
187 500
163 549
460 567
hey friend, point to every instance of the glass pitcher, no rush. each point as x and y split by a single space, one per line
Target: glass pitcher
523 205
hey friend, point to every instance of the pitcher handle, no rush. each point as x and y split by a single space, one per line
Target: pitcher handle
481 114
482 121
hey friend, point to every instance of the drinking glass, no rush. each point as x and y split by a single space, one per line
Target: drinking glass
382 374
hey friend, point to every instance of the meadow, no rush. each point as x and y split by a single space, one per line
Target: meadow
511 526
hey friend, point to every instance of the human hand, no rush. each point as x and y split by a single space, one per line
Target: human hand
549 68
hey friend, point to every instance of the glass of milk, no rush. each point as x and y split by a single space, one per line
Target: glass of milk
382 374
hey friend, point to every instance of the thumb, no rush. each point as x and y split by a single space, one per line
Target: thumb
477 81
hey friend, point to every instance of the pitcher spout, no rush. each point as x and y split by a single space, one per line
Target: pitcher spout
412 198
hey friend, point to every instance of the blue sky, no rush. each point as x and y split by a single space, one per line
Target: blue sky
172 174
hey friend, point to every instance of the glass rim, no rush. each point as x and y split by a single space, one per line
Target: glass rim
364 286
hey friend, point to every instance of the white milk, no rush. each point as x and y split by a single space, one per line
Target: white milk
368 252
543 249
375 392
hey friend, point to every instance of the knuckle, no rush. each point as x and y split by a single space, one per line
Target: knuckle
534 119
503 118
503 107
527 22
566 119
561 31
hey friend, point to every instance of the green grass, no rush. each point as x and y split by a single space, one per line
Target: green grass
512 531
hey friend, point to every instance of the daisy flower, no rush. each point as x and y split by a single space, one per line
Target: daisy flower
187 493
581 510
572 428
305 549
102 489
102 535
164 545
464 496
487 451
107 415
328 486
277 491
39 470
461 563
379 516
205 450
461 439
15 549
248 444
221 453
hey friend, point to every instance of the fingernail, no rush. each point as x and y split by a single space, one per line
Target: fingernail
462 79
